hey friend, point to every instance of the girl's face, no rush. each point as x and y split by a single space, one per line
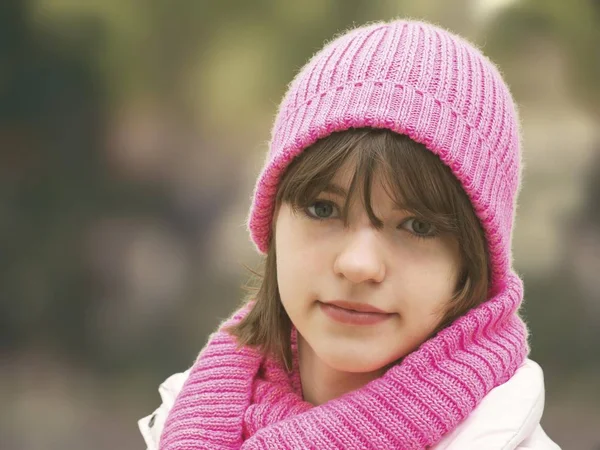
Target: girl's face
402 268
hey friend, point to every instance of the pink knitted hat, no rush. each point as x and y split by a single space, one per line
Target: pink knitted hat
414 79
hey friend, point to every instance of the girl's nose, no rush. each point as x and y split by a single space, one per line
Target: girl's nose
360 260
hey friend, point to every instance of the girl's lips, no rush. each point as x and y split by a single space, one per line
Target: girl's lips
353 306
354 313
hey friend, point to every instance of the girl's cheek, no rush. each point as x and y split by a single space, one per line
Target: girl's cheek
317 232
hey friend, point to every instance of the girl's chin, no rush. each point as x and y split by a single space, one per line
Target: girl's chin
352 364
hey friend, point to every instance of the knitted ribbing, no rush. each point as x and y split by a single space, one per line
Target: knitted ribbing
414 79
422 81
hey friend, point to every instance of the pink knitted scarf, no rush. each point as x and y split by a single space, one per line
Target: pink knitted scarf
237 399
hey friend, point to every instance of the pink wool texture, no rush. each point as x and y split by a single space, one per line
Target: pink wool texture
416 79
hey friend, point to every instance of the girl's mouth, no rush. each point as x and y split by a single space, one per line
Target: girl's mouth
354 313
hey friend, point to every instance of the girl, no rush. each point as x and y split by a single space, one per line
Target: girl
387 317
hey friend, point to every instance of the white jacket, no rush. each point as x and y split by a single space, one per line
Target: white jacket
508 418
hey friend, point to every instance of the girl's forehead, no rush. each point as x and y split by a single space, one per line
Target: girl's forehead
343 176
346 172
381 190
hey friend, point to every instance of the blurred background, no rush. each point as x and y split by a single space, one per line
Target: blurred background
131 134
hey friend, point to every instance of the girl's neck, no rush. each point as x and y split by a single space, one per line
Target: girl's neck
321 383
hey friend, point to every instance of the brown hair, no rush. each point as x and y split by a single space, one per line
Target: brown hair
414 177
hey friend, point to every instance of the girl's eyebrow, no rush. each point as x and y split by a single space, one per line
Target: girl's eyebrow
335 189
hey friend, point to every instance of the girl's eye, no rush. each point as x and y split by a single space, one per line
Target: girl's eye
321 210
420 228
